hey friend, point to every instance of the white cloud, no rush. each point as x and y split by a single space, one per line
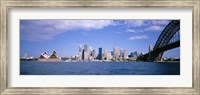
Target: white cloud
145 25
140 23
135 23
160 22
74 24
131 30
154 28
134 31
139 37
37 30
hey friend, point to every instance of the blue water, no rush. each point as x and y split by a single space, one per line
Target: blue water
99 68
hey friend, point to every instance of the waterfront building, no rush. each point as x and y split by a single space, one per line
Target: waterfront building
109 56
53 57
90 48
94 54
43 56
85 47
134 54
125 54
79 56
100 56
76 57
86 52
73 58
142 53
131 54
115 53
112 53
85 55
25 56
90 53
150 49
120 53
104 53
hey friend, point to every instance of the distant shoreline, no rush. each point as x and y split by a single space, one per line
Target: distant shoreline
97 61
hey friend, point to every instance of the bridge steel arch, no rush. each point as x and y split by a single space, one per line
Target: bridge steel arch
170 30
167 33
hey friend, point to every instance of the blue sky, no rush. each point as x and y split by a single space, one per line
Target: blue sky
65 36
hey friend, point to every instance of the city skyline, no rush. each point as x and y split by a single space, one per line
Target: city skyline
86 53
64 36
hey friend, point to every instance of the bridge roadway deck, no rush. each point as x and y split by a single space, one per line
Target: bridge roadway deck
161 49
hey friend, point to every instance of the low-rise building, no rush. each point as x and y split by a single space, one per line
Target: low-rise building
53 57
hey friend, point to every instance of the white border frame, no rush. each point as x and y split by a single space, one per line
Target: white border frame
183 80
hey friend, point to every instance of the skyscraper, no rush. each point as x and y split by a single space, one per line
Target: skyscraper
150 49
120 53
85 47
80 53
86 54
104 53
83 54
125 54
115 53
135 54
100 56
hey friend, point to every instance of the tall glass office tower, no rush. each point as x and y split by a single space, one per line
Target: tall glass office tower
100 54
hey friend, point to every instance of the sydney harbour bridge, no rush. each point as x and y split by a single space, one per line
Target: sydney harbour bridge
168 39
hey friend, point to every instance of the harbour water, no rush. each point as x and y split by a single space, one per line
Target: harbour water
99 68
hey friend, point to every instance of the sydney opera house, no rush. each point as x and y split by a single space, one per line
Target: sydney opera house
52 57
